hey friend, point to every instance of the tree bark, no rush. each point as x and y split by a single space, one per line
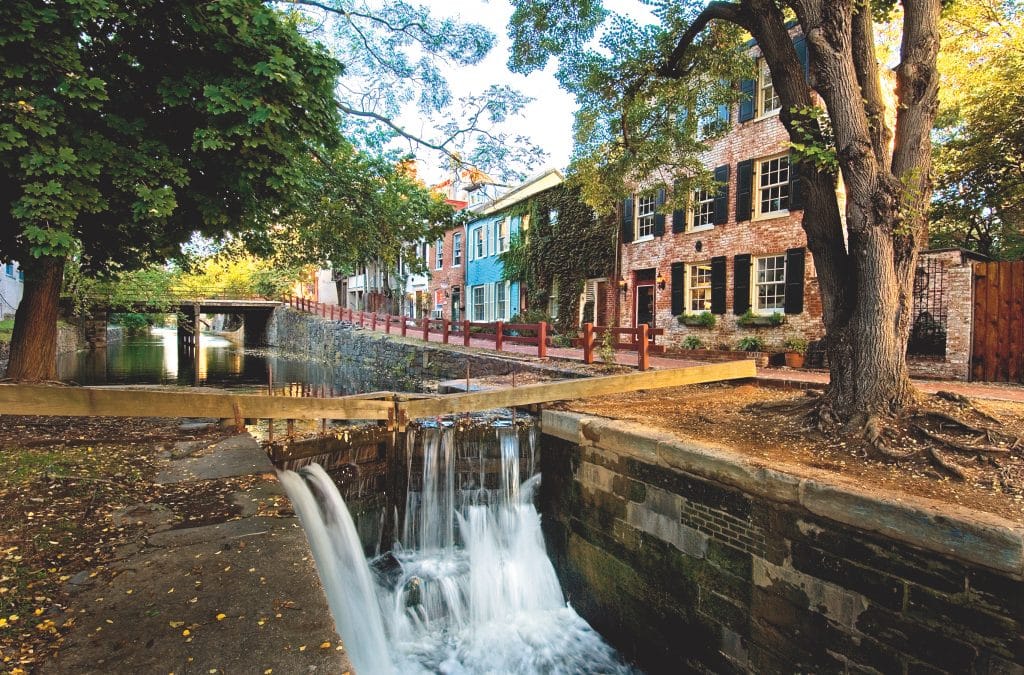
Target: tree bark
34 341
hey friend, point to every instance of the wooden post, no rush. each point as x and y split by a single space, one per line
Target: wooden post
426 329
405 325
270 430
588 343
542 339
387 324
465 333
641 349
499 328
444 330
373 321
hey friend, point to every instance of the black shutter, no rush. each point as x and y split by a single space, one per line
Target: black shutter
659 215
722 196
795 280
678 284
800 45
741 284
747 100
796 199
718 285
627 220
744 190
679 213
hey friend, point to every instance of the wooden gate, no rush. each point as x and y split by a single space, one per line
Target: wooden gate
997 353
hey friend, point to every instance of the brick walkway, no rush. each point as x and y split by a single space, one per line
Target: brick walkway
779 376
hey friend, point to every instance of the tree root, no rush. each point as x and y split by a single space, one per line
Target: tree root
874 434
965 402
958 446
946 464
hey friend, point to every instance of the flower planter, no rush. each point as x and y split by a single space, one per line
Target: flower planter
794 360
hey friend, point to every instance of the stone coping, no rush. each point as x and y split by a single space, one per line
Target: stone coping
971 536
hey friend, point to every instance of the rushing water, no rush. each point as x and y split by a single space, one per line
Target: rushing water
468 588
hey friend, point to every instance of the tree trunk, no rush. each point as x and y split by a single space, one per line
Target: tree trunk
34 341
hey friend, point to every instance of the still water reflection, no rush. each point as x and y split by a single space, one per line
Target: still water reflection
156 359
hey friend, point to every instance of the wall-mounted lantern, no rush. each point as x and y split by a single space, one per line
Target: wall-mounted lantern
661 281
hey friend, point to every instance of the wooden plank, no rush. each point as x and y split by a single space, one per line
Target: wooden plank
21 399
582 388
1016 316
992 337
978 321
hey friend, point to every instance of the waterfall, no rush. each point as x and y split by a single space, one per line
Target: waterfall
469 588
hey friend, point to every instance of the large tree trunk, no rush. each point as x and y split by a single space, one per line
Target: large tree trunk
34 342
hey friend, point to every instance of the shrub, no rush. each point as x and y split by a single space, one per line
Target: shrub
751 319
795 344
750 343
704 319
692 342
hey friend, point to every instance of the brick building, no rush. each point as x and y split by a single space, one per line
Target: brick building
739 252
446 260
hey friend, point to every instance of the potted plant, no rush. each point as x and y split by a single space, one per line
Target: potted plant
796 348
750 343
751 320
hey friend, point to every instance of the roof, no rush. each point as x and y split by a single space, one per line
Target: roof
536 184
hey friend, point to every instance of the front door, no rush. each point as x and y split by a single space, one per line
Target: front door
645 305
456 304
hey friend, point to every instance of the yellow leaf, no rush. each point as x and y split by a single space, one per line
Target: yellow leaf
186 632
268 671
302 648
325 645
221 616
177 624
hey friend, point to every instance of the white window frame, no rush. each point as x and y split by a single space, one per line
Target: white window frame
766 94
698 293
761 168
553 300
439 254
479 308
457 249
553 217
479 244
769 272
502 235
647 202
699 201
501 307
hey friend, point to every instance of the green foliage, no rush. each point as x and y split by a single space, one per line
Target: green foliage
563 252
704 319
795 344
6 328
131 126
750 343
134 322
606 350
749 319
979 185
813 140
692 342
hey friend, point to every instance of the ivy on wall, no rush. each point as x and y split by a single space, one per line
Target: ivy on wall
565 243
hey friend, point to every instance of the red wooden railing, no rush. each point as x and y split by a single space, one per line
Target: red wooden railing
638 340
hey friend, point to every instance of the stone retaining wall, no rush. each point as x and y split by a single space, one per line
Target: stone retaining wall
689 556
392 362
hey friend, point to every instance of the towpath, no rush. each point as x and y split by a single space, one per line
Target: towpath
240 596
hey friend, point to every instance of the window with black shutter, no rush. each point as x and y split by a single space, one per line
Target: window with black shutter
795 280
741 284
800 45
744 190
659 215
627 220
747 100
678 287
722 196
718 285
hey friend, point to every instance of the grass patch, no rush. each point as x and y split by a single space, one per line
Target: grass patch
6 328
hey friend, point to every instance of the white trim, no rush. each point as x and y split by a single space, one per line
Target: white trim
755 308
755 193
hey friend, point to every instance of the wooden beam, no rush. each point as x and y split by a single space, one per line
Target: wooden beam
564 390
20 399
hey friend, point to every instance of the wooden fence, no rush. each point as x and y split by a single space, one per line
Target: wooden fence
997 353
638 339
498 332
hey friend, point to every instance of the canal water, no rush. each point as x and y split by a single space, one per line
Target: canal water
155 358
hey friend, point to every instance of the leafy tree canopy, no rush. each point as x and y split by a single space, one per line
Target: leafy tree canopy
979 162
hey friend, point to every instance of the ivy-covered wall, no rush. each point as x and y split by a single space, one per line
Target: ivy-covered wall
565 245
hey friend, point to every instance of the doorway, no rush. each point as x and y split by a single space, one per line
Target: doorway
645 305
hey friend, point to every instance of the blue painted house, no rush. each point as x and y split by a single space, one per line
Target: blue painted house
488 296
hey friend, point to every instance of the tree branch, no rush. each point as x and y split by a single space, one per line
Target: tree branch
866 65
724 11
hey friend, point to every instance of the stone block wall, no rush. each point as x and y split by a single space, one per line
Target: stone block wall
381 361
690 558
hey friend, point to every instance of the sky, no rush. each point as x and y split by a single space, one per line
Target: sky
548 120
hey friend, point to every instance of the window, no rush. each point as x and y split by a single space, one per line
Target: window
501 301
645 216
10 269
457 249
553 217
553 300
21 275
770 284
702 213
772 181
502 236
479 243
699 288
479 303
767 100
439 254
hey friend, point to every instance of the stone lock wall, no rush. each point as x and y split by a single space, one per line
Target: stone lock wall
690 558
